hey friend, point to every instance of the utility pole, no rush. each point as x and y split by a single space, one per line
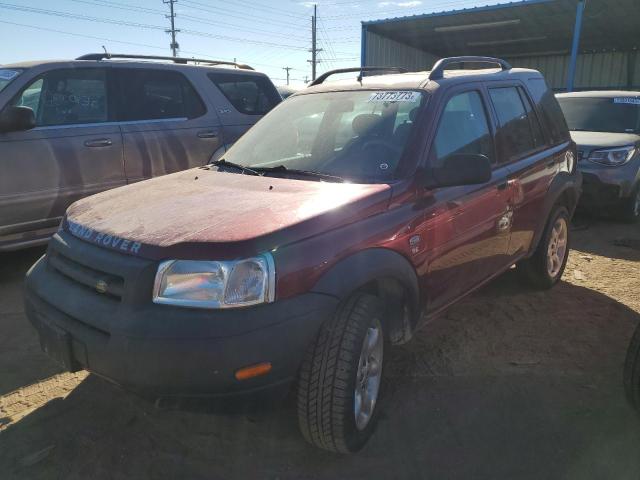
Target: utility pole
174 45
314 50
287 69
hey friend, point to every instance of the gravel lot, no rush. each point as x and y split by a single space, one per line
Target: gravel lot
509 384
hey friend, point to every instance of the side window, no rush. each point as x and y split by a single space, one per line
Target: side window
534 123
251 95
67 97
463 129
551 111
514 135
157 94
30 97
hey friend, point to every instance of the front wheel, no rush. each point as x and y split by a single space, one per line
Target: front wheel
341 376
545 268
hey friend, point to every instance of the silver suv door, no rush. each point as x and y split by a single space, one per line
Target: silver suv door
73 151
165 124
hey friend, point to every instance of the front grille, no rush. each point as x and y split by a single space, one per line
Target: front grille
109 285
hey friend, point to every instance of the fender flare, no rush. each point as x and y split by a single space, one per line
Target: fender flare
563 185
374 264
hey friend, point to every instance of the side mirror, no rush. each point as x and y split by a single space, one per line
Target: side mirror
17 119
457 170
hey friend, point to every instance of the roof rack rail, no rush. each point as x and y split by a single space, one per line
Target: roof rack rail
437 72
326 75
180 60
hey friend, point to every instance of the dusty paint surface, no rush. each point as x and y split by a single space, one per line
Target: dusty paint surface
202 206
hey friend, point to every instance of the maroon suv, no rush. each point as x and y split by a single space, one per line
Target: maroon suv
352 214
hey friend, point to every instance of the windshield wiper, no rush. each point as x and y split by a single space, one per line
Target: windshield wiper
305 173
223 163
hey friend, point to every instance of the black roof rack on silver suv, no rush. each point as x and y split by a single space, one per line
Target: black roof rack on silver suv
181 60
326 75
437 72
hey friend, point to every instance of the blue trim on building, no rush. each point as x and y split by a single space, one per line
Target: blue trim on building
577 30
363 46
486 8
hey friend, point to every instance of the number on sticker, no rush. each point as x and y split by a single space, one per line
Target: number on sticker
395 96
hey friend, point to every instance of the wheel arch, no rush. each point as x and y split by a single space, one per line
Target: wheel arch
564 190
388 275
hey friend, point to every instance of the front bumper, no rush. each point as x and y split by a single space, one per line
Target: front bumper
607 186
160 351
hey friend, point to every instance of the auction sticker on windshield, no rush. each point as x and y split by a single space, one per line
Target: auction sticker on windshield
395 96
8 74
628 100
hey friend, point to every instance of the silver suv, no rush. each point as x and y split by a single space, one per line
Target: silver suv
69 129
606 127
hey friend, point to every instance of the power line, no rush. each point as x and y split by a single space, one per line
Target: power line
145 25
172 16
124 42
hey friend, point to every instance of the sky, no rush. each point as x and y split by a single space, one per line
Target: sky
268 35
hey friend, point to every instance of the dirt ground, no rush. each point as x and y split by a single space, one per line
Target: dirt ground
509 384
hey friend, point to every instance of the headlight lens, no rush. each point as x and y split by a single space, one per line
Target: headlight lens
612 157
208 284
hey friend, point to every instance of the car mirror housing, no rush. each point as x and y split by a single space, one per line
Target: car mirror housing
17 119
457 170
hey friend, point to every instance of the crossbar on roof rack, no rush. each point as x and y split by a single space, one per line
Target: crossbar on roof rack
180 60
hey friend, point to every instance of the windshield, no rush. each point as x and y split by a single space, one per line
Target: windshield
357 135
618 115
7 75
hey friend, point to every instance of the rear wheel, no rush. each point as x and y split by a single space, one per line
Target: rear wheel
632 371
341 376
545 268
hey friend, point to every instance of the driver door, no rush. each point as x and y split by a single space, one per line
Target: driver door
474 216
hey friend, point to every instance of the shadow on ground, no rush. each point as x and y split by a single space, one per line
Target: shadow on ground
509 384
21 360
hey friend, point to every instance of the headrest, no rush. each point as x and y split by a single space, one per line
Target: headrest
413 114
366 123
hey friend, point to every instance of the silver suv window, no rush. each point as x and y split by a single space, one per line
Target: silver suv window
68 97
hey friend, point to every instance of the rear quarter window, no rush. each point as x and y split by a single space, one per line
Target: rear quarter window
249 94
550 110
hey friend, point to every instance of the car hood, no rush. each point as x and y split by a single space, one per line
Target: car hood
200 212
588 141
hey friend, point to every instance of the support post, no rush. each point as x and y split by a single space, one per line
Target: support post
577 29
363 46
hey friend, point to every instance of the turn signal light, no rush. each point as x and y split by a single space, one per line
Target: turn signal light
253 371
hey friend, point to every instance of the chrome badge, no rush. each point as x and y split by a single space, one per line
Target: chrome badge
101 286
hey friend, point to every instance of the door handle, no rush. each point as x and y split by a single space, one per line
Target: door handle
503 185
552 163
207 134
98 142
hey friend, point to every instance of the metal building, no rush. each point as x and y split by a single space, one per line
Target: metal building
576 44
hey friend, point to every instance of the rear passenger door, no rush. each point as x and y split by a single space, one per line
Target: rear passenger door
522 148
478 238
166 126
75 149
241 99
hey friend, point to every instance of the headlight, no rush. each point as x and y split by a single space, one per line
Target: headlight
208 284
612 157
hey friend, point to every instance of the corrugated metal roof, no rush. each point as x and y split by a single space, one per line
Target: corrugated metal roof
496 6
528 27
